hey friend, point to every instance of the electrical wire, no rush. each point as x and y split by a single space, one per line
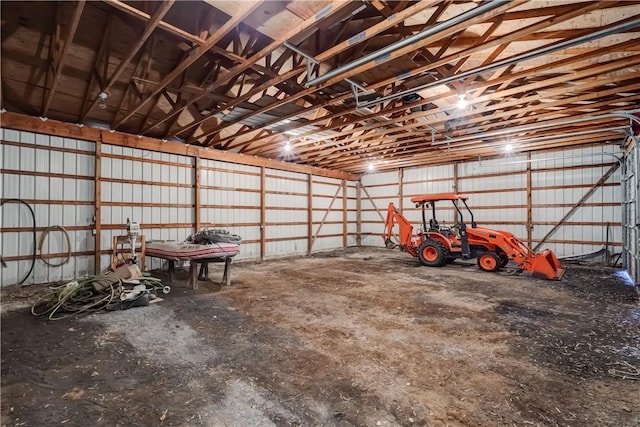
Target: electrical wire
79 296
44 235
33 231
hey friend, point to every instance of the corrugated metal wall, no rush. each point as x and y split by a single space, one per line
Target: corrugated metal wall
631 212
499 190
56 177
230 199
286 213
269 208
560 183
151 188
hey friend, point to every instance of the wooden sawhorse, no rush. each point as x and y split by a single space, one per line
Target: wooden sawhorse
194 276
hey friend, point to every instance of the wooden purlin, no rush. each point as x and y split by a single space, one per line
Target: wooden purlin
149 28
365 67
443 155
355 40
256 149
443 34
421 159
23 122
336 158
330 9
195 54
564 62
588 71
62 57
436 121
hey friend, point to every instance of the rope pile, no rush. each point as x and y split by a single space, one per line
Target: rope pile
119 290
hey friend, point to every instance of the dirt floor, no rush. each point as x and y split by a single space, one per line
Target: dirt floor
362 338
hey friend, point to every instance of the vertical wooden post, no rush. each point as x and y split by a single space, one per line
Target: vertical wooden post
455 190
196 197
309 213
358 213
262 213
529 204
97 192
401 189
344 213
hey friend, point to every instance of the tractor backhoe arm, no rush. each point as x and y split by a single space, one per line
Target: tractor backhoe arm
405 232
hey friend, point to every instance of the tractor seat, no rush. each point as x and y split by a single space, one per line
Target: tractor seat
433 225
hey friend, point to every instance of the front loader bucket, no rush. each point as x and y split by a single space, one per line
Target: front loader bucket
545 265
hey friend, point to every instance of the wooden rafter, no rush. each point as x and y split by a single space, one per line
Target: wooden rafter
149 28
92 79
332 8
454 29
244 10
250 73
62 57
256 142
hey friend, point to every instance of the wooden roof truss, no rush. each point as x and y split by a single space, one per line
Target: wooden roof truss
240 76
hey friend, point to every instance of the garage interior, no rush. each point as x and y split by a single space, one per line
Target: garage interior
128 127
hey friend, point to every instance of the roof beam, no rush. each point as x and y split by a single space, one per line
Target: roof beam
60 60
524 73
571 13
327 11
450 31
245 9
586 72
149 28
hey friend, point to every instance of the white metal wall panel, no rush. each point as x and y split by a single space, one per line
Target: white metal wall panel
631 212
352 214
285 209
569 186
145 199
329 236
233 202
59 201
157 189
383 188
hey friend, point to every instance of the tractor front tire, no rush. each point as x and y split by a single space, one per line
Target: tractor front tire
504 259
489 261
433 253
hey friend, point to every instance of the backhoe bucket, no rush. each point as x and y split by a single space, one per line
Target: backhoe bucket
545 265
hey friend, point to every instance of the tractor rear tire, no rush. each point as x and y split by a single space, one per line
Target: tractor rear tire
433 253
489 261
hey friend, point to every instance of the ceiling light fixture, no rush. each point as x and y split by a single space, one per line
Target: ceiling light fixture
462 103
287 147
102 99
372 167
508 148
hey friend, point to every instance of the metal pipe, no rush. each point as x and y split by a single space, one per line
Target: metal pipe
301 52
439 27
548 159
509 61
619 114
311 58
620 129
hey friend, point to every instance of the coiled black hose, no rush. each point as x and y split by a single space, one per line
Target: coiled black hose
33 218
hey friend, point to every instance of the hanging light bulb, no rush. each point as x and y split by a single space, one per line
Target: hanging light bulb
371 167
462 103
287 147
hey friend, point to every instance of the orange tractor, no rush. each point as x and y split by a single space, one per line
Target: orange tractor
437 244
